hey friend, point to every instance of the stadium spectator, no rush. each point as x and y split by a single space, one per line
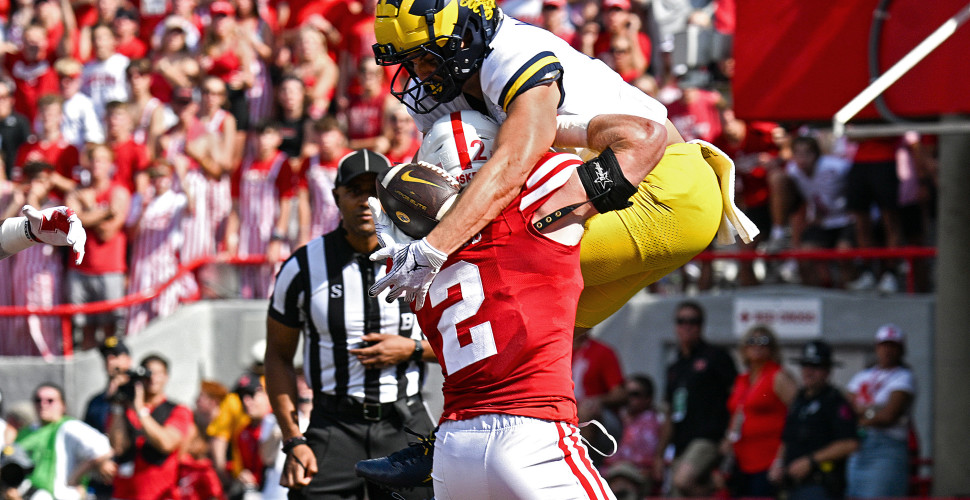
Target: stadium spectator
620 24
63 449
32 70
815 186
37 275
624 58
316 209
48 145
173 64
598 384
254 440
258 226
190 147
104 78
364 110
117 363
642 425
882 396
80 123
758 404
696 395
125 28
556 20
147 112
227 153
20 16
230 419
257 22
820 433
102 207
873 182
183 13
227 54
154 228
312 64
14 127
57 17
146 434
403 140
295 122
131 158
211 396
197 478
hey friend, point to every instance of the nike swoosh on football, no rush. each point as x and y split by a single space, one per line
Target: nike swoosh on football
406 176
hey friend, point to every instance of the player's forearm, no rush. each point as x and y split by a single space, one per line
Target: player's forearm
526 135
638 143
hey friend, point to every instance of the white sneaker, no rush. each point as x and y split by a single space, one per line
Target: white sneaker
888 284
864 282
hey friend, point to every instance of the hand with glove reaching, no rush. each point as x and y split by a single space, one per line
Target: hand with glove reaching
387 233
58 226
414 266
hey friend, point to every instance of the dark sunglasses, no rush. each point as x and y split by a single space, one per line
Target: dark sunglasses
688 321
760 340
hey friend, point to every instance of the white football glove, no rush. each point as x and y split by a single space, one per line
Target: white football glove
387 233
58 226
414 266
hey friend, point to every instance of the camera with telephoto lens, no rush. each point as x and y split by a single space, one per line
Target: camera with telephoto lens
15 465
126 392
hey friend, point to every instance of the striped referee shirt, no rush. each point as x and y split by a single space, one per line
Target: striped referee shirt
322 290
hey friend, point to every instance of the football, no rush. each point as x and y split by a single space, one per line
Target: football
416 196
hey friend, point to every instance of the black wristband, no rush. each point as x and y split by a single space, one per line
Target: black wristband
293 442
418 353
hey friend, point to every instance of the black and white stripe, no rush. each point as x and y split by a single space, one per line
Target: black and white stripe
340 311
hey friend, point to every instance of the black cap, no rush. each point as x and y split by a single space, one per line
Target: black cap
816 353
127 13
248 384
113 345
360 162
15 465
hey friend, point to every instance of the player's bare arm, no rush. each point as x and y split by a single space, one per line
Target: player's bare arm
638 143
525 136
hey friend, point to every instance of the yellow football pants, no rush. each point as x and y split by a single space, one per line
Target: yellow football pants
675 215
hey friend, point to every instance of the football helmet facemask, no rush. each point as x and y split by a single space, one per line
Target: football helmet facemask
455 33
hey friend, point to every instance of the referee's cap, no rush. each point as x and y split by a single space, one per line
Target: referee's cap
362 161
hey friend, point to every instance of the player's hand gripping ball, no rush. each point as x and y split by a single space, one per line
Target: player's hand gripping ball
416 196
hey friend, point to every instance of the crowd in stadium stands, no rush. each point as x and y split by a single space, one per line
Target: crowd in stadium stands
707 431
185 129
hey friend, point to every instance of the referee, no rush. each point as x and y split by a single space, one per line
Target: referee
362 356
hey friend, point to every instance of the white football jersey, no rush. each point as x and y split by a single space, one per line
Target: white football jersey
589 86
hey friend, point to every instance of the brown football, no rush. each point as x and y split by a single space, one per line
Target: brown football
416 196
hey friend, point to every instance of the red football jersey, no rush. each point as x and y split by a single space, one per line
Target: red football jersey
500 314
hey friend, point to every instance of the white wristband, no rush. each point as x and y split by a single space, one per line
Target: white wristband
14 236
571 131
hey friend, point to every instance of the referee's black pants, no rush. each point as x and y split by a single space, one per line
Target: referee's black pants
340 436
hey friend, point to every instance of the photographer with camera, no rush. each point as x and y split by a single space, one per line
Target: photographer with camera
15 466
63 449
145 431
117 365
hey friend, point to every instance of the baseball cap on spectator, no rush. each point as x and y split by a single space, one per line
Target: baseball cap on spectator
113 345
221 7
248 384
123 13
554 3
183 95
816 353
174 23
360 162
618 4
890 333
67 66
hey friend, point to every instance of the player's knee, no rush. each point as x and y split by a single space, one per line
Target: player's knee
605 184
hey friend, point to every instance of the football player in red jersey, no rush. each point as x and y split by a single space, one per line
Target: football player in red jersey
499 316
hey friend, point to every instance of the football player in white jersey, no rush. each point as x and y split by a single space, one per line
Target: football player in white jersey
466 54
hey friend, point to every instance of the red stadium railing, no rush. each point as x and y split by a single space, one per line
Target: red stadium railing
65 311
